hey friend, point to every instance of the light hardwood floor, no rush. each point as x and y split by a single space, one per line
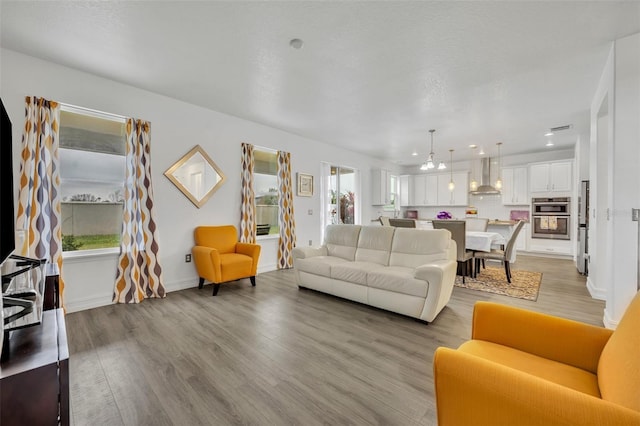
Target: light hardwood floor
274 355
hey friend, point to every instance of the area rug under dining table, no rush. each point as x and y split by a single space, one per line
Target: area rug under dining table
524 284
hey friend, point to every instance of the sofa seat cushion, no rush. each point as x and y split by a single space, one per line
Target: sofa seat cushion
320 265
234 266
397 279
553 371
354 272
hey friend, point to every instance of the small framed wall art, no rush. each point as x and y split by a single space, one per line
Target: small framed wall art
305 185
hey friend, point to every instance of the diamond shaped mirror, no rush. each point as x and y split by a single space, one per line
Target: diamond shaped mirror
196 176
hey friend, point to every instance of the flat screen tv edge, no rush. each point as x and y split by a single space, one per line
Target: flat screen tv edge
7 218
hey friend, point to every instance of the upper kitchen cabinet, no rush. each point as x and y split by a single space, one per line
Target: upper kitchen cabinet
459 196
550 177
425 190
515 188
380 187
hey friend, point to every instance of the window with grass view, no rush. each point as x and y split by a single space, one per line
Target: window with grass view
265 185
92 165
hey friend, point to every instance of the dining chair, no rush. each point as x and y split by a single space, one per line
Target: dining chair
477 224
459 235
402 223
501 255
384 220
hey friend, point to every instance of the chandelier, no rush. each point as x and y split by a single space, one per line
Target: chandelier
429 163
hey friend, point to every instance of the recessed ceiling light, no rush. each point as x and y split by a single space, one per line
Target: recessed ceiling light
473 146
296 43
548 134
549 143
415 154
481 151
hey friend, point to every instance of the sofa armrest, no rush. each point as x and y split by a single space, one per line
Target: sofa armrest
440 275
474 391
207 262
555 338
251 250
306 252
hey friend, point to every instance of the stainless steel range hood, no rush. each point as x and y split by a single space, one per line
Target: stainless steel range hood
485 187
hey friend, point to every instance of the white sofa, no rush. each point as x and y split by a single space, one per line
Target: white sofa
408 271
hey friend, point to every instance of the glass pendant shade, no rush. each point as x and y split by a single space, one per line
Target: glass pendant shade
499 180
473 185
429 164
499 183
442 166
452 185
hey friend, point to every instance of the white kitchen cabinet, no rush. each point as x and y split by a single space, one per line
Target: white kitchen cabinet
457 197
523 238
550 177
515 186
406 191
380 187
425 190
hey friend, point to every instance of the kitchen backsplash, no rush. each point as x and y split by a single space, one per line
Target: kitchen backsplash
489 206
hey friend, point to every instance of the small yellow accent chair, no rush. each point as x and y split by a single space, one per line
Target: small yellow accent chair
220 258
525 368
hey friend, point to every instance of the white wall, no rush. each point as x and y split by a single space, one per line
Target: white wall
619 90
176 128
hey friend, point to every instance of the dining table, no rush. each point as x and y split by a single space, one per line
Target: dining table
482 241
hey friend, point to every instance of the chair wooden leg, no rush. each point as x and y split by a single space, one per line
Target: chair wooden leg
216 287
464 271
507 271
200 283
253 280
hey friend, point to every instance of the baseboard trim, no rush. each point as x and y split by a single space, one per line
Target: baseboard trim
596 292
87 303
608 321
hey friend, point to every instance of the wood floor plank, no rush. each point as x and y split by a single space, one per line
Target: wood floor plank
274 354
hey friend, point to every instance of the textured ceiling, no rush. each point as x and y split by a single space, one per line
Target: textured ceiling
372 77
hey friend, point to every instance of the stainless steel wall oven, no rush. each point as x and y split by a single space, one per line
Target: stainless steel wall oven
551 218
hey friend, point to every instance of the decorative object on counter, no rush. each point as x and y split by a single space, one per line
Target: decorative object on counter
471 211
452 185
444 215
524 284
429 164
519 215
499 180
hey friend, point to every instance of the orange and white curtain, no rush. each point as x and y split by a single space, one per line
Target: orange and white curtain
286 220
248 207
39 199
139 274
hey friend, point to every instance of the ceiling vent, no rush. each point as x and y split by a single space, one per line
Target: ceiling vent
561 128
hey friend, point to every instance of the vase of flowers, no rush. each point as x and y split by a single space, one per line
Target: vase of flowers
444 215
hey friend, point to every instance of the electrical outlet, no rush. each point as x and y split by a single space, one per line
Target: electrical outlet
634 214
310 212
310 242
187 258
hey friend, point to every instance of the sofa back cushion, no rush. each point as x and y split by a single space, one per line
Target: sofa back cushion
223 238
414 247
619 365
374 244
342 240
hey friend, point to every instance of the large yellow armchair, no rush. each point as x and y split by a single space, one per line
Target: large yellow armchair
220 258
526 368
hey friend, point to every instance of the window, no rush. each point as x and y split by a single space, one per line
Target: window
92 164
265 185
339 195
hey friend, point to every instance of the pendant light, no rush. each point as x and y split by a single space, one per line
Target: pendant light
473 185
499 180
429 164
452 185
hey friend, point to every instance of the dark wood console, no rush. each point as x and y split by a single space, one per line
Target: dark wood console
34 380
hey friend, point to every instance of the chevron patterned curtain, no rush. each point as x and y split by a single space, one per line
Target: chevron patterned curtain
286 221
248 208
39 205
139 275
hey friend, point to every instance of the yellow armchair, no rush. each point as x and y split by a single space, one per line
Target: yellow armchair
220 258
526 368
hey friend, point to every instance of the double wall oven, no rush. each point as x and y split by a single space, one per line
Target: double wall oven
551 218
